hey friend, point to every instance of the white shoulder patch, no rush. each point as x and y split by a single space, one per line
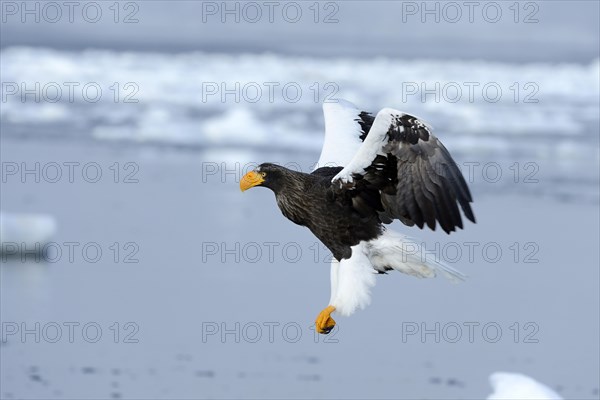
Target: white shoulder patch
342 134
370 148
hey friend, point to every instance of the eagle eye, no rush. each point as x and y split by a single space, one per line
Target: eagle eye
263 174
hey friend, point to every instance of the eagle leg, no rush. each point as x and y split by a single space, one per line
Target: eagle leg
324 323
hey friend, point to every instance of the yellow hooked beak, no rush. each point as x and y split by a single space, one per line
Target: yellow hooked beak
251 179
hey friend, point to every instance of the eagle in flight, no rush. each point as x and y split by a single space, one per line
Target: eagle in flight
372 171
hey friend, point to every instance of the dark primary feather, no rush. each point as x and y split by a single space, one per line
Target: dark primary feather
365 120
417 181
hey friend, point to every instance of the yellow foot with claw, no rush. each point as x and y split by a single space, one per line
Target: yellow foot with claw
324 323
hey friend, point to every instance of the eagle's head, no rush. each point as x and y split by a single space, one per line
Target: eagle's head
267 175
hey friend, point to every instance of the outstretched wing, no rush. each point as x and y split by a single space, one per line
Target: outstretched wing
415 177
346 128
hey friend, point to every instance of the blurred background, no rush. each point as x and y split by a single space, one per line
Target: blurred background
133 267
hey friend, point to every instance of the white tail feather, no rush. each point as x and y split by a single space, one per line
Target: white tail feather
353 278
402 253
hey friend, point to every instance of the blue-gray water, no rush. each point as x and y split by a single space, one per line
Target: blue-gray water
543 31
182 222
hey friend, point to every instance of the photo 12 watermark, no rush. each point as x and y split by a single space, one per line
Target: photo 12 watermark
70 12
470 332
453 12
69 172
485 172
254 12
70 92
270 92
70 332
452 252
71 252
264 332
470 92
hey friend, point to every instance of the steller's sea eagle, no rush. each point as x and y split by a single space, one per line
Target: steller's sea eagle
372 170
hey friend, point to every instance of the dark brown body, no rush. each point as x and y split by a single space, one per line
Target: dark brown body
310 200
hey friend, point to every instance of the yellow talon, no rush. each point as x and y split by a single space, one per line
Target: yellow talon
324 323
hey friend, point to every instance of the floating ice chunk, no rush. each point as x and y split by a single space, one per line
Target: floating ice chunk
26 231
508 386
237 124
